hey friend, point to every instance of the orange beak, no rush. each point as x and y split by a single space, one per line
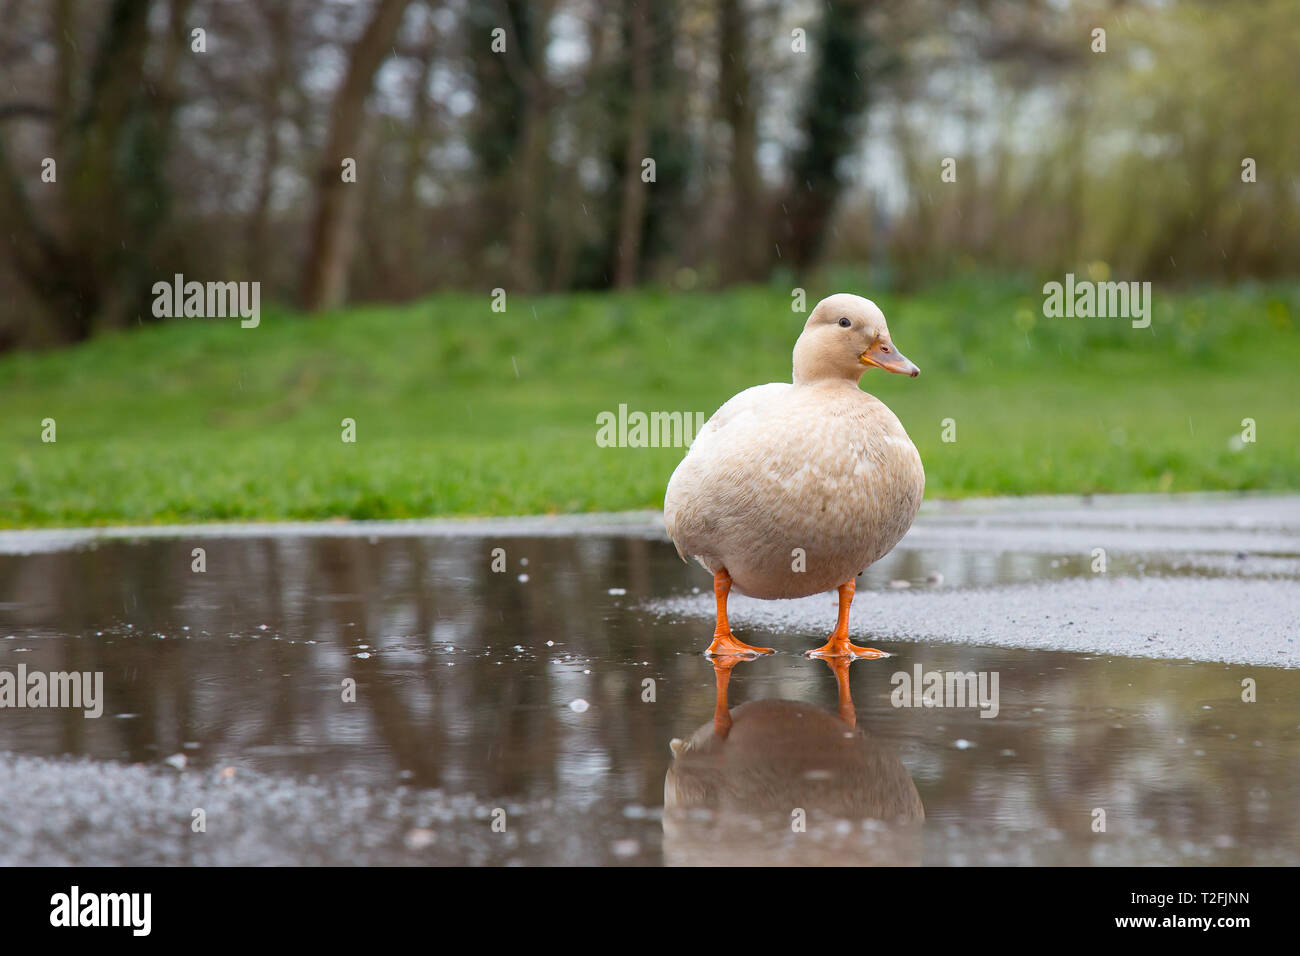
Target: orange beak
883 355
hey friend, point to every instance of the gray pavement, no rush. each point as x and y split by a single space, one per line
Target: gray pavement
1211 578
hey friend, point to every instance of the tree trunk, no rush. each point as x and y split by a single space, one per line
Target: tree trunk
743 240
529 193
837 95
275 17
632 217
569 227
93 263
529 189
413 251
330 241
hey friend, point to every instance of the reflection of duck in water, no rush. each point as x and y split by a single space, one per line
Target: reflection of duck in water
740 787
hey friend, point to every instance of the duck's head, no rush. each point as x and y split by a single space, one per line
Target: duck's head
846 335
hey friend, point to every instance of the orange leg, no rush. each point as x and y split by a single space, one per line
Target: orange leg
722 677
838 644
724 642
840 668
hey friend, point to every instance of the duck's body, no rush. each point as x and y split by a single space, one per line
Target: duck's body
794 489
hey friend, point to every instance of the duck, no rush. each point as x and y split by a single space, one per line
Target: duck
794 488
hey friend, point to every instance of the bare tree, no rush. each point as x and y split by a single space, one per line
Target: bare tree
110 137
530 23
632 216
276 18
331 239
743 240
836 97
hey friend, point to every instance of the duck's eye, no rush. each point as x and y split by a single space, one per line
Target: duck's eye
844 323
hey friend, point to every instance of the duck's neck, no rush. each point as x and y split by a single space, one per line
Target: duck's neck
814 364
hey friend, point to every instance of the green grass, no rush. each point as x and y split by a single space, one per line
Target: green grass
199 419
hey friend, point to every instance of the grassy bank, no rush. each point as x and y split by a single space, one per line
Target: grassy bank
460 410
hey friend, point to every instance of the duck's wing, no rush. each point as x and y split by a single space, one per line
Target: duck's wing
690 478
741 406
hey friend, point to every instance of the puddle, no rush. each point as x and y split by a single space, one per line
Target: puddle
545 697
